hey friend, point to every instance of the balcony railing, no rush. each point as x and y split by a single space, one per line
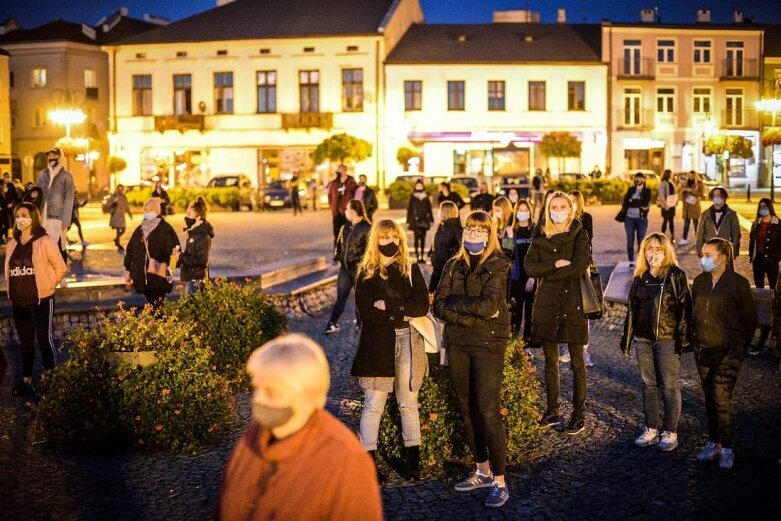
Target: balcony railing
636 69
323 120
635 120
182 123
739 70
739 119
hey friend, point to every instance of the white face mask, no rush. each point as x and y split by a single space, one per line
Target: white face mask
22 223
655 259
513 198
523 216
559 217
148 216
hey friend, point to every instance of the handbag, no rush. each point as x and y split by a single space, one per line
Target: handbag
591 295
621 215
429 328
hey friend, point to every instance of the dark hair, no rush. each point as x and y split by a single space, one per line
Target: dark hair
724 247
723 191
666 175
640 175
517 191
200 207
445 184
419 182
35 215
363 175
769 205
357 206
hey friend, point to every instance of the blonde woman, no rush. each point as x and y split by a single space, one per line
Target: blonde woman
657 325
472 301
504 218
391 356
558 257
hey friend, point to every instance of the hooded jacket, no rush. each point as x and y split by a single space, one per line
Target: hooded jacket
160 243
194 260
729 228
49 267
447 241
57 198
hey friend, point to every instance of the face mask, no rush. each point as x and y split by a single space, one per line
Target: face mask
189 221
523 216
718 201
498 214
22 223
54 162
708 264
148 216
513 198
474 247
764 212
421 195
389 250
655 259
271 417
559 217
362 183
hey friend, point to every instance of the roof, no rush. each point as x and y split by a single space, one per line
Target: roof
125 28
705 26
498 43
63 30
250 19
772 43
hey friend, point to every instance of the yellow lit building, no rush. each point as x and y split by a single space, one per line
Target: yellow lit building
5 115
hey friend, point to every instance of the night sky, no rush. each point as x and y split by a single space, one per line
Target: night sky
31 13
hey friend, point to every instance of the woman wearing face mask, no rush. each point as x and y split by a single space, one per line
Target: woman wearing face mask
391 356
472 302
165 201
637 202
419 218
558 257
725 318
764 247
350 248
118 206
194 260
33 268
667 201
149 254
447 241
513 195
691 193
658 326
504 218
719 221
522 286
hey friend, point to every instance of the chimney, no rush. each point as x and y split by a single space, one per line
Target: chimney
647 16
561 16
737 17
524 16
703 16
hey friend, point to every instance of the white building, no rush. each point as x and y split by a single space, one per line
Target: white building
477 99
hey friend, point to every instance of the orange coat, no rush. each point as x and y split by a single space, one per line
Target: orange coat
50 269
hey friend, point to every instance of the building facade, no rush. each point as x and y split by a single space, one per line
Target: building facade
6 159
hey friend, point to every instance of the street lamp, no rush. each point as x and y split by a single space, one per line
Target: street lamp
67 117
771 105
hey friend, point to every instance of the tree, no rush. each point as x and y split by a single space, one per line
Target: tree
342 147
404 154
71 146
115 165
736 146
560 145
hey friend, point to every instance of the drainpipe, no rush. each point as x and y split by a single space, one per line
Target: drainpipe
378 99
609 129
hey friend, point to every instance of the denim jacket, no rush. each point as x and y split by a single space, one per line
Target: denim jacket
58 198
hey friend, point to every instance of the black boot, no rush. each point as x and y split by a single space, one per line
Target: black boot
413 463
380 476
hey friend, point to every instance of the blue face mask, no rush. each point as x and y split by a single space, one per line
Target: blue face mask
708 264
764 212
474 247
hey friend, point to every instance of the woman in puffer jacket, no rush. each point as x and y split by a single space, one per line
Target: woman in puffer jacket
658 326
447 241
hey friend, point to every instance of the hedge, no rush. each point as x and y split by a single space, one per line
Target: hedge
399 192
181 197
602 191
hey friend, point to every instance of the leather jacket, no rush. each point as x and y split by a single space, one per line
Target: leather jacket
659 309
351 244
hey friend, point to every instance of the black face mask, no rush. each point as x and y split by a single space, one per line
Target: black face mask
389 250
189 221
54 162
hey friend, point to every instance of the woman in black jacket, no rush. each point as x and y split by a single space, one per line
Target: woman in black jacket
522 286
725 318
447 241
637 202
419 218
558 258
472 302
165 201
148 255
658 326
764 247
194 260
391 356
349 251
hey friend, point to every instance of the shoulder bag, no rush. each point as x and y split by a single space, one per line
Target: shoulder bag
429 328
591 296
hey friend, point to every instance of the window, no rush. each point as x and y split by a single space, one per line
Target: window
734 112
702 100
265 51
632 51
455 95
140 55
309 49
142 94
38 78
181 54
665 100
496 91
702 51
223 92
352 48
632 113
11 79
183 99
413 95
90 84
222 52
576 95
309 91
267 92
734 61
536 95
665 51
352 90
39 117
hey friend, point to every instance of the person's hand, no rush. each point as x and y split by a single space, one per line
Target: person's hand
529 285
562 262
176 251
128 280
495 315
509 231
380 304
430 298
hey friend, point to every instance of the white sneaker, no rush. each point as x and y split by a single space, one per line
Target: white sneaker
587 359
565 358
683 242
647 438
669 441
727 459
710 452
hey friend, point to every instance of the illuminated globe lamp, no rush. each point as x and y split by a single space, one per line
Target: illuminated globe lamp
67 117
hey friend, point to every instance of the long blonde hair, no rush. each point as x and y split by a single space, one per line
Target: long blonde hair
508 217
448 209
580 203
669 255
371 263
480 219
550 227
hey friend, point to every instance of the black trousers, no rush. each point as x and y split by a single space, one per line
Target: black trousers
521 303
579 387
77 222
477 380
155 298
668 218
761 267
345 281
419 242
34 326
339 220
120 232
295 202
718 383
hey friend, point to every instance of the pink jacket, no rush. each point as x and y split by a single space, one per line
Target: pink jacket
49 267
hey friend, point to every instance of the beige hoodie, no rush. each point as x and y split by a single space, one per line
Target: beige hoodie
50 269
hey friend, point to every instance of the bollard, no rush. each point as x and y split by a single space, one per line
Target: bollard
748 193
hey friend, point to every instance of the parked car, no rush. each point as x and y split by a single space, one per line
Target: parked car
471 182
574 176
239 181
427 179
277 195
518 180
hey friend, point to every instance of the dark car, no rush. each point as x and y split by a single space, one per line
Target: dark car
239 181
277 195
517 180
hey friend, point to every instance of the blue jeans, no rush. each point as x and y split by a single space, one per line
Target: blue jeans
191 286
634 227
687 224
344 284
660 370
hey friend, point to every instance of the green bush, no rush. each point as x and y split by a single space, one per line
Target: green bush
232 321
442 427
97 400
181 197
602 191
399 192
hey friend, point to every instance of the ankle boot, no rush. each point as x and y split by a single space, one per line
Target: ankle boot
413 463
380 476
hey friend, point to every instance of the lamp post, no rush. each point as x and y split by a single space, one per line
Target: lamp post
67 117
772 105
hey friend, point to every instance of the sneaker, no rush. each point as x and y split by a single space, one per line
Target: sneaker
669 441
587 359
331 328
549 419
727 459
575 426
647 438
565 358
498 495
475 481
710 452
683 242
